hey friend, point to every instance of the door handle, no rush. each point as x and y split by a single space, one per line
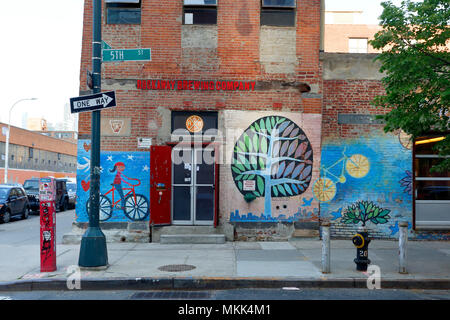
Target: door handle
160 196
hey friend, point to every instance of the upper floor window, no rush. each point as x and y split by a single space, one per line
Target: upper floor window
123 11
200 12
278 12
357 45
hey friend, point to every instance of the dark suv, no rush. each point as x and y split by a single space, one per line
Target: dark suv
13 202
31 187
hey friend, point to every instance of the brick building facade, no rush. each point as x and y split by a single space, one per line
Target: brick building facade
274 116
35 155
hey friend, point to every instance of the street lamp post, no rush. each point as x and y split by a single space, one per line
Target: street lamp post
7 137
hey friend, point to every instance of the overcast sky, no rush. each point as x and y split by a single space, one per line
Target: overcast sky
41 49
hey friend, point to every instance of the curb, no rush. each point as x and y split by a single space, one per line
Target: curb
190 283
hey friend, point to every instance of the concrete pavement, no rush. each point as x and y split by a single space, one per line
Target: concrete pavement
296 263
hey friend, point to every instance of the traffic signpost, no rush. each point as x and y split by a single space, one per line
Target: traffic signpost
118 55
93 102
93 250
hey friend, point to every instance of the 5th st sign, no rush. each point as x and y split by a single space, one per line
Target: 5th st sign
93 102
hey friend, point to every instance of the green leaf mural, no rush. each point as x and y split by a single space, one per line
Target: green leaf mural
275 153
365 211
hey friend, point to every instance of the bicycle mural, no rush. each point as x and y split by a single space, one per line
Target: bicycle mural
356 165
359 183
124 185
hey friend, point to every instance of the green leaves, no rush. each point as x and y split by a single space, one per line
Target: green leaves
416 62
275 154
364 211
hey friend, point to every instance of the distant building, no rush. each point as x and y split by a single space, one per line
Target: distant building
346 31
32 154
36 124
70 136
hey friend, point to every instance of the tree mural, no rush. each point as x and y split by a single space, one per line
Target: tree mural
272 158
365 211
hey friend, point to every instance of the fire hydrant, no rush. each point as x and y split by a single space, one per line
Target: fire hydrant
361 241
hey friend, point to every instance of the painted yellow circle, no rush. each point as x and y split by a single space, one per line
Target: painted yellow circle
324 189
362 240
194 123
357 166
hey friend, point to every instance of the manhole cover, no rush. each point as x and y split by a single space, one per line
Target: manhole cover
176 267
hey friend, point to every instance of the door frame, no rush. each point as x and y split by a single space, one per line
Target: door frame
192 222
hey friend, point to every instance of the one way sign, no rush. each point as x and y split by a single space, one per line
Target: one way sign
93 102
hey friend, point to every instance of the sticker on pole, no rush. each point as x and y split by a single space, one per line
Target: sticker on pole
93 102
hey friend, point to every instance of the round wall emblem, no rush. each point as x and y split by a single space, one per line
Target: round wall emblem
194 123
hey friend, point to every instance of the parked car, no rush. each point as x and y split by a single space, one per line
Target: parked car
13 202
31 187
72 192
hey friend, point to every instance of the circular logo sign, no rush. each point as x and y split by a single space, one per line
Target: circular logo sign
194 123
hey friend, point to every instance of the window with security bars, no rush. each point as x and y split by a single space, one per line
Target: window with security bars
278 13
200 12
123 11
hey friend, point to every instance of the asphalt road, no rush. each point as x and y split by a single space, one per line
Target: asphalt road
23 232
234 295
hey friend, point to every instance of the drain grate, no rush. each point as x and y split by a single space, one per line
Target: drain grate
176 267
172 295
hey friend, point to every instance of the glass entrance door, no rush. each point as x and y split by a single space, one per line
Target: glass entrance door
193 186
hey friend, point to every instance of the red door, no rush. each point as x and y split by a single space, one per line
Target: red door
160 185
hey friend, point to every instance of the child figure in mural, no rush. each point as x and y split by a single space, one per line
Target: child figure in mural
117 183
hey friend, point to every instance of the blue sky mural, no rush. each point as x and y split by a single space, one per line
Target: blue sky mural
129 171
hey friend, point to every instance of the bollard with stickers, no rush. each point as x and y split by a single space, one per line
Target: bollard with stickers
47 196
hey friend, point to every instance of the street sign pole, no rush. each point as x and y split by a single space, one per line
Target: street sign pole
93 252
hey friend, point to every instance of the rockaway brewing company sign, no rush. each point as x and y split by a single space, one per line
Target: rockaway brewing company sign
196 85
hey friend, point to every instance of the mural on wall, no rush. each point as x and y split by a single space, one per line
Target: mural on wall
365 211
124 185
407 182
372 186
304 213
325 187
273 158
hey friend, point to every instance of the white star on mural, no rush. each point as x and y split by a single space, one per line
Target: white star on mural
109 158
130 157
145 168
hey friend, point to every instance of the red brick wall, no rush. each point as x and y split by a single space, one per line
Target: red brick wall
348 96
236 56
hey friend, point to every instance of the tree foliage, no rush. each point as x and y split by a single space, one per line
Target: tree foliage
416 61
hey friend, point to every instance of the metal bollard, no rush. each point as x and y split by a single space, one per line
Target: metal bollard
402 242
326 247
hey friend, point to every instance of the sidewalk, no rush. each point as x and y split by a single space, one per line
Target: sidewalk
296 263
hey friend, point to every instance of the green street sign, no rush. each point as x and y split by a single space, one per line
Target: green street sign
105 45
117 55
